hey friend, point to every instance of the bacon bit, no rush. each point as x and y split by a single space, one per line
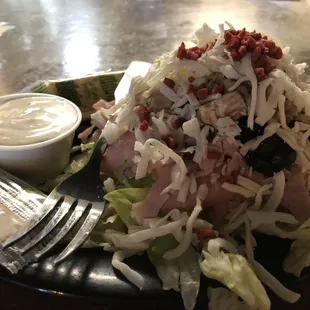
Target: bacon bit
278 54
261 61
144 125
256 53
249 42
217 89
259 46
181 51
170 141
204 233
193 53
143 113
235 55
256 35
202 93
234 42
260 74
191 89
191 79
242 50
271 46
225 57
178 122
168 82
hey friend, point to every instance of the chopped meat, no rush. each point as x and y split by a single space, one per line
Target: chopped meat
119 152
231 104
296 196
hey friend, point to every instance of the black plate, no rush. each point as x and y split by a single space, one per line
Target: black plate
89 274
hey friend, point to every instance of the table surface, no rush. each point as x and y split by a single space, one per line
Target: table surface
61 38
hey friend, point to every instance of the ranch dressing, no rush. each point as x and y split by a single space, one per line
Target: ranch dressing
31 120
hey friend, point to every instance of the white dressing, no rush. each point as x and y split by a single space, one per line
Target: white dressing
31 120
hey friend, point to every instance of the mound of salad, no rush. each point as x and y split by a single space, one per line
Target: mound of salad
208 149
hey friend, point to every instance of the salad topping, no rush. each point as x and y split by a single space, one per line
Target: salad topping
208 149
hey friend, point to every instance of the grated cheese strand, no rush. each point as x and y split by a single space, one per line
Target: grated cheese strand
238 190
247 183
277 194
281 107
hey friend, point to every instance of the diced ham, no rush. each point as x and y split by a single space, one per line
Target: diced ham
296 196
154 200
103 104
119 152
235 164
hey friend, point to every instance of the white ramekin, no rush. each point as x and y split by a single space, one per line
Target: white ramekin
39 162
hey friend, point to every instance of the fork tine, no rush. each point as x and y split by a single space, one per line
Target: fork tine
61 212
47 207
88 225
75 216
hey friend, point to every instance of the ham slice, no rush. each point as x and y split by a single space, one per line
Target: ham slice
296 196
119 152
154 200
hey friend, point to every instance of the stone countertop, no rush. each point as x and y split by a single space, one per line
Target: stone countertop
56 38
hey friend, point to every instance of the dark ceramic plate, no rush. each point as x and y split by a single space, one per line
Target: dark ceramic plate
88 274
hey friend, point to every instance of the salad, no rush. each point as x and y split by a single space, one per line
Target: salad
208 149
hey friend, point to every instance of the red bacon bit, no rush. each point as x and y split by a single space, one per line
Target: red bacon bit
202 93
170 141
260 74
143 113
217 89
193 53
144 125
168 82
239 42
191 79
178 122
191 89
204 233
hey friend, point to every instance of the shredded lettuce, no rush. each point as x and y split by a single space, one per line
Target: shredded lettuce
182 274
167 271
141 183
234 271
162 244
189 277
298 258
77 163
122 200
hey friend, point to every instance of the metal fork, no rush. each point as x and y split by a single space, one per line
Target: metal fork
77 200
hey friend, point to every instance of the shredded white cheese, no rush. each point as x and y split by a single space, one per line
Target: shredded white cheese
247 183
109 185
247 69
259 196
277 194
193 184
281 107
168 92
238 190
183 192
289 138
305 137
270 130
186 241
